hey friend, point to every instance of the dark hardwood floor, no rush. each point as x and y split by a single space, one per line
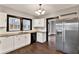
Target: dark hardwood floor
36 48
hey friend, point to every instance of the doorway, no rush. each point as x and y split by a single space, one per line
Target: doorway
51 31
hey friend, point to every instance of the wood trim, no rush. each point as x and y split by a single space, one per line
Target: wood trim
69 14
7 29
47 30
30 24
21 22
53 18
47 26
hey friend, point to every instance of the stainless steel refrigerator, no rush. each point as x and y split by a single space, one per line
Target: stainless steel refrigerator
67 35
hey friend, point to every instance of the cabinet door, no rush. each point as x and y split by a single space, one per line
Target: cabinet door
1 44
35 23
43 37
10 43
2 20
39 37
41 22
22 40
19 41
27 39
6 44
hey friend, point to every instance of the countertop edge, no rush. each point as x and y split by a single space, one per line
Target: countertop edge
18 33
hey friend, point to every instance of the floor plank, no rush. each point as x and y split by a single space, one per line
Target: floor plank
36 48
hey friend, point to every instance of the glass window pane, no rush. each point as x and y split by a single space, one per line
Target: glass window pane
14 24
26 24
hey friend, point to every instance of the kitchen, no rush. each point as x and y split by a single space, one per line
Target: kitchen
19 30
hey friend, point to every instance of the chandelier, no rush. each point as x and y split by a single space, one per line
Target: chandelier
40 11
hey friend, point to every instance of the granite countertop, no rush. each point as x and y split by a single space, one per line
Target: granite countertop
18 33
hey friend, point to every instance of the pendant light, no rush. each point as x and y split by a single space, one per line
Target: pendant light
40 11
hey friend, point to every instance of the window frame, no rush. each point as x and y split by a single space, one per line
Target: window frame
21 23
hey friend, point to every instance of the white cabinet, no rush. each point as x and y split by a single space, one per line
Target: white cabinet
38 22
3 22
3 19
27 39
2 46
19 41
6 44
41 37
11 43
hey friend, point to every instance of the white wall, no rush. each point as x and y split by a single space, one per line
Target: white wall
63 11
14 12
5 10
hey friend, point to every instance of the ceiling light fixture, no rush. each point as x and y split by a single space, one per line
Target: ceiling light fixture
40 11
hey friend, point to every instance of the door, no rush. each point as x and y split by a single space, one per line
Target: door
71 40
59 35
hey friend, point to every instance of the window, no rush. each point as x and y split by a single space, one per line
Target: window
18 23
26 24
13 23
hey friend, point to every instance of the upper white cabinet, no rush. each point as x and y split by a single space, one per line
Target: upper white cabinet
38 22
3 19
3 22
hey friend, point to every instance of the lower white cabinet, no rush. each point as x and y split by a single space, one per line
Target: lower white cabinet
41 37
19 41
6 44
11 43
27 39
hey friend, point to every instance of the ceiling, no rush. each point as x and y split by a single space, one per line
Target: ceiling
30 8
